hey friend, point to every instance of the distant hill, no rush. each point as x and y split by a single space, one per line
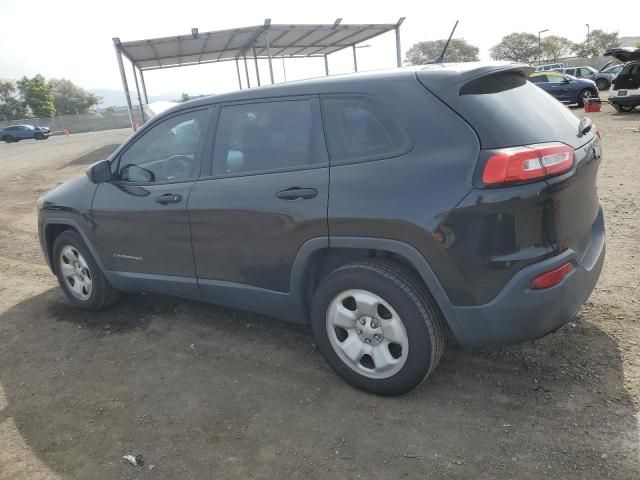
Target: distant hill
116 98
629 41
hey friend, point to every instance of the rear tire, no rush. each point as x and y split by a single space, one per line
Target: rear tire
623 108
8 139
584 94
602 84
377 326
78 273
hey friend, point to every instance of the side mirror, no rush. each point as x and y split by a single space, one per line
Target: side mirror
134 173
100 172
566 80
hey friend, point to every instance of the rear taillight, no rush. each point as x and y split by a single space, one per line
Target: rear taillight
527 164
551 278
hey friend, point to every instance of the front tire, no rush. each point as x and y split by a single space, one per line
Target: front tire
39 136
377 326
8 139
602 84
79 275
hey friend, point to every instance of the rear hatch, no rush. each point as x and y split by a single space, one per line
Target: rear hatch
624 54
507 111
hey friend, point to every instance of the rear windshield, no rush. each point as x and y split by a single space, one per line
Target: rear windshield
507 110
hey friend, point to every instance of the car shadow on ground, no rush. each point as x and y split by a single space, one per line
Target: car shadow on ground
94 156
206 392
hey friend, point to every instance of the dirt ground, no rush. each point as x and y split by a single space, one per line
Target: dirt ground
205 392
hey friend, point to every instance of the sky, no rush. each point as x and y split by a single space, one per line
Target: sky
72 39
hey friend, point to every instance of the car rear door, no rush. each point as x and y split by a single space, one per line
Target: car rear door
140 218
264 197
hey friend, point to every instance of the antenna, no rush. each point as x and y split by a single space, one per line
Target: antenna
440 59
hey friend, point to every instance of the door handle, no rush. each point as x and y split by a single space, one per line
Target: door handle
169 198
297 193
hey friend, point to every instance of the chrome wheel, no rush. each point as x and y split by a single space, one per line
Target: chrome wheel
75 272
367 334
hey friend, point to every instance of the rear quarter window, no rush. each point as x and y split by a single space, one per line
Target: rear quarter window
362 129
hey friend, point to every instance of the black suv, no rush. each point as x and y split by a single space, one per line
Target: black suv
388 210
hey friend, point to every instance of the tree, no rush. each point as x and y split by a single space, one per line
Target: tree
11 107
185 97
516 47
554 47
598 42
37 95
459 50
69 98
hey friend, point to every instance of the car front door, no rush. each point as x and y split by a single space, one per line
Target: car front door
140 218
559 87
24 132
265 196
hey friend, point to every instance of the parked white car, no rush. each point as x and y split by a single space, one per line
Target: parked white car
624 93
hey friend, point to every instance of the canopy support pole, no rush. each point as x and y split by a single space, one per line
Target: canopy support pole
326 66
255 59
123 77
266 36
238 71
355 58
135 78
144 87
246 70
398 47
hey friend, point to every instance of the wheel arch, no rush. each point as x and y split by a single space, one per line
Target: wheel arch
52 227
318 257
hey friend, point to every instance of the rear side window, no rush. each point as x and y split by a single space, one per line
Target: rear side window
262 137
361 129
506 110
538 79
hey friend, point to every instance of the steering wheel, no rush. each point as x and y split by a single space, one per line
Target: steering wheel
177 167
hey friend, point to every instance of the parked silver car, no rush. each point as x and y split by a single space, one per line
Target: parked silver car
579 72
603 77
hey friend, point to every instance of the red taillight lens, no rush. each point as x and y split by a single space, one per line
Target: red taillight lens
552 277
526 164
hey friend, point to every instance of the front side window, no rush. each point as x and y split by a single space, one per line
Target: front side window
361 129
555 78
261 137
167 152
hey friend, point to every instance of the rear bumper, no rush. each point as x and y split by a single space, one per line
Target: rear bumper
520 314
629 101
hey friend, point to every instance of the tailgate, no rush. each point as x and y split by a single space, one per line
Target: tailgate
573 201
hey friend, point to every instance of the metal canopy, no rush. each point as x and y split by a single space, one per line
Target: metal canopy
263 41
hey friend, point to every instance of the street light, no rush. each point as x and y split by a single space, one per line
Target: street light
540 45
586 44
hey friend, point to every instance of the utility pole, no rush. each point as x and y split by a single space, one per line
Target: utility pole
540 45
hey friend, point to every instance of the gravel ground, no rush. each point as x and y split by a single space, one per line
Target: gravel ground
205 392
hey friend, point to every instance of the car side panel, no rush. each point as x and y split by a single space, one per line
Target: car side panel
67 204
406 197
